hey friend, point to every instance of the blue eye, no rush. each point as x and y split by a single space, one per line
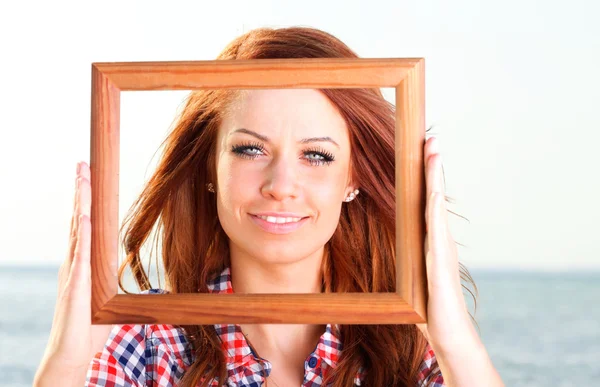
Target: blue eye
325 158
242 149
252 150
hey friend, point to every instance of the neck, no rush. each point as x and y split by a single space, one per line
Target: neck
250 274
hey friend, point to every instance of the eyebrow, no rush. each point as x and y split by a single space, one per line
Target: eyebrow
266 139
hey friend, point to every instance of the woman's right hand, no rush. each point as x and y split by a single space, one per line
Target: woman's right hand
73 339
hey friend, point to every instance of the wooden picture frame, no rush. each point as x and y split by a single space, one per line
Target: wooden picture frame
405 306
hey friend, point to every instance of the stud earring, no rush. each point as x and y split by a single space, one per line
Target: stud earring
352 195
210 187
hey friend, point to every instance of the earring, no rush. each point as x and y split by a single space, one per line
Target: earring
210 187
352 195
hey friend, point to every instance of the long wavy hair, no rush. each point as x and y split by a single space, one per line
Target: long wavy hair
359 257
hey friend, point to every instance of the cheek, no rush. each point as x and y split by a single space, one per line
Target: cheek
325 191
326 196
235 182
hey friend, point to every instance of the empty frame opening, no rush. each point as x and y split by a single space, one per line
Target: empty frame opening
147 118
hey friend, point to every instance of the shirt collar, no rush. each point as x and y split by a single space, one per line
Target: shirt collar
239 351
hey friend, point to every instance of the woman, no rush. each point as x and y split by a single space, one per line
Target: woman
292 181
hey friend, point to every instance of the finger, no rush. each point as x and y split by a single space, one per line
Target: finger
426 156
84 203
427 152
436 214
434 169
85 171
73 227
80 270
437 185
431 149
86 192
73 220
437 230
433 186
427 255
82 206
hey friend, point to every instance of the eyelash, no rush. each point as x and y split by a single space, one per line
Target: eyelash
328 158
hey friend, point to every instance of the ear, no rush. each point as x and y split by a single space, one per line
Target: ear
352 184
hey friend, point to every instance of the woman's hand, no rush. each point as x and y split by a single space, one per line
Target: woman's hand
459 351
448 316
73 340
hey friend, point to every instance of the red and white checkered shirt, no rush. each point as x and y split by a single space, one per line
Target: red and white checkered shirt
158 355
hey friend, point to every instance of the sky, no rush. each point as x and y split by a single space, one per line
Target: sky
512 90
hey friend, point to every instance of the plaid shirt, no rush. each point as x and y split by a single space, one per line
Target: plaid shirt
158 355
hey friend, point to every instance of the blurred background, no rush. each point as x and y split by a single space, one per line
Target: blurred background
512 94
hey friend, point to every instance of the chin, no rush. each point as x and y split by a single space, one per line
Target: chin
281 256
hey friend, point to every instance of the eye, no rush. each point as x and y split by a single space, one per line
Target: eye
248 150
322 156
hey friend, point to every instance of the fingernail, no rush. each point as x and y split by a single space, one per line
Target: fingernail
78 167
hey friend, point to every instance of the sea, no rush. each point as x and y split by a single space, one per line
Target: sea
539 328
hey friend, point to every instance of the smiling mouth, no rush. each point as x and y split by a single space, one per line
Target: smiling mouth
279 220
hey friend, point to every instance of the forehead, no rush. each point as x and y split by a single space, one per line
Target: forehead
299 111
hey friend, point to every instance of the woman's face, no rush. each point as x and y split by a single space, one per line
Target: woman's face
283 154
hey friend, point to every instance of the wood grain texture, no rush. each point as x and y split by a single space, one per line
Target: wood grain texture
258 73
104 174
411 276
343 308
406 306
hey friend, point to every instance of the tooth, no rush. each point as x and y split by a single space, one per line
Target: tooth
274 219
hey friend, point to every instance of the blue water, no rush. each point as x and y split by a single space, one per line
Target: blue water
540 329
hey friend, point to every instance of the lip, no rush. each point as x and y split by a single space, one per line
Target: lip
278 228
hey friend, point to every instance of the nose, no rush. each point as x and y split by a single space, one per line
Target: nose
281 180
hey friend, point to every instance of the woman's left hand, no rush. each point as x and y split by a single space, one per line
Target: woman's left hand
447 313
460 354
